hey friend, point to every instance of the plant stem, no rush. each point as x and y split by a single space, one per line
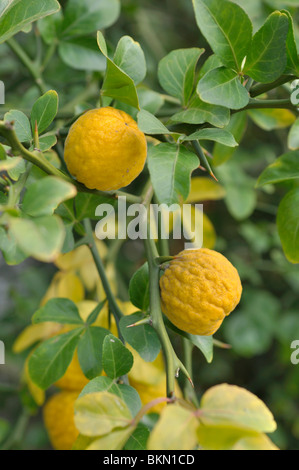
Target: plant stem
261 88
173 364
18 432
90 241
29 64
189 392
264 104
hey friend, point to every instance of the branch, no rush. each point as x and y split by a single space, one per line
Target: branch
261 88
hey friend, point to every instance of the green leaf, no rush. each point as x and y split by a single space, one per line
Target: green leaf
90 350
293 138
149 124
138 439
222 87
14 17
41 238
99 413
21 124
143 338
117 84
212 62
292 52
44 111
117 359
46 142
288 225
43 196
228 30
240 194
229 405
284 168
170 167
216 135
10 163
129 57
176 429
4 429
60 311
9 248
176 72
92 317
127 393
50 360
270 119
267 58
139 288
82 54
82 18
115 440
200 112
236 127
2 153
50 26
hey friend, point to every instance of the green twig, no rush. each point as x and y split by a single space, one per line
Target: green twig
269 104
29 64
90 241
261 88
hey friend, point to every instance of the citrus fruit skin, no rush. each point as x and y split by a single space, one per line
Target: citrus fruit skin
58 415
198 290
73 379
105 150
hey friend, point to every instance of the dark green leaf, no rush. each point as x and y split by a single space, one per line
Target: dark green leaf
222 87
129 57
44 111
83 18
216 135
60 311
117 84
284 168
50 360
90 350
200 112
227 29
292 52
21 124
288 225
143 338
139 288
267 58
82 54
176 72
14 16
117 359
236 127
170 168
138 440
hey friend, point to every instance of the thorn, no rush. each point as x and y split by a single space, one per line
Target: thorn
191 381
145 321
213 176
202 168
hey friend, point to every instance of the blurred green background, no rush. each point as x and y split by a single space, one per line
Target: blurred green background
261 330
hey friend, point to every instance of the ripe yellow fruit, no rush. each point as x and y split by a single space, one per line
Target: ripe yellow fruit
73 379
105 149
58 415
198 290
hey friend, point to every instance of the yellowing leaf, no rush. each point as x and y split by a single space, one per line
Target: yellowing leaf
176 429
65 285
220 437
37 393
269 119
112 441
205 189
258 442
97 414
34 333
232 406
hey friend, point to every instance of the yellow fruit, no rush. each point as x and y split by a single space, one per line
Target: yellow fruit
73 379
58 415
198 290
105 150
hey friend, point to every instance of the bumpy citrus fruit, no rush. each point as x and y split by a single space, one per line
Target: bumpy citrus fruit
105 150
59 420
198 290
